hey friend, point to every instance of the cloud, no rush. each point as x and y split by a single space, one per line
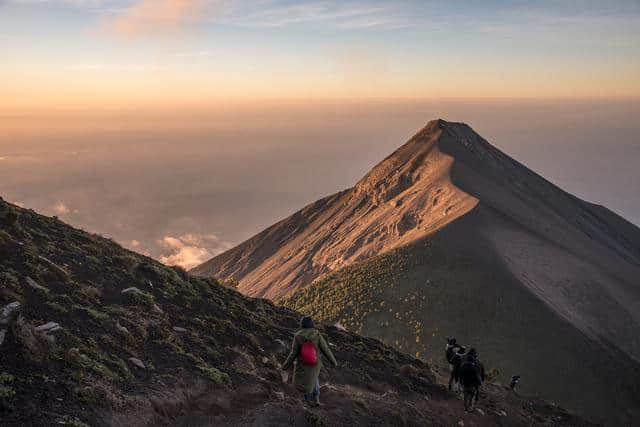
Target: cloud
343 15
60 208
190 250
135 243
148 17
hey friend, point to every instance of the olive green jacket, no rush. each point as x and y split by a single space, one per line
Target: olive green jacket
305 377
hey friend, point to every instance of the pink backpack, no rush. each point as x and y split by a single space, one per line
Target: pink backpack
308 353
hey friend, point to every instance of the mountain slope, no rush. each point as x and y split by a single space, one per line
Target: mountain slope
541 255
416 296
93 334
407 196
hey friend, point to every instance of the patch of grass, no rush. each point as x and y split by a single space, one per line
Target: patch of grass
11 215
87 364
6 391
213 374
95 315
141 298
57 307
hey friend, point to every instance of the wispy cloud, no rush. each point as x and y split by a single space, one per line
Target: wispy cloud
343 14
149 17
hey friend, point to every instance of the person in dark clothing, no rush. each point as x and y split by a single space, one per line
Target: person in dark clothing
306 359
514 382
471 376
454 353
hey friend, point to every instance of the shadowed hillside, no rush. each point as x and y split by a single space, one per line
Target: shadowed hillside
416 296
93 334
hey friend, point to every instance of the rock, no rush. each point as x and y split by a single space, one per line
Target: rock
55 266
131 290
48 328
3 332
34 285
179 329
121 328
7 311
137 362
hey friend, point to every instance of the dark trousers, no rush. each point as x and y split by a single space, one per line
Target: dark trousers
314 394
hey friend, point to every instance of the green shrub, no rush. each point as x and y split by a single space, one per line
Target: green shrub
493 374
11 215
215 375
141 298
6 391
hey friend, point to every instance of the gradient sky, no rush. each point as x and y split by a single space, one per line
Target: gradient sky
100 53
182 127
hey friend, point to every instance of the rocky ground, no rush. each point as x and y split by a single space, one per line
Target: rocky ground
93 334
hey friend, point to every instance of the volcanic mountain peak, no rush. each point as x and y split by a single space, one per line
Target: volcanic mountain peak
407 196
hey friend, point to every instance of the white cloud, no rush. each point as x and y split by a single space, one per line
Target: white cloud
60 208
190 250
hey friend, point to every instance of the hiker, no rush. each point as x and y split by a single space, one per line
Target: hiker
514 382
471 374
454 353
304 353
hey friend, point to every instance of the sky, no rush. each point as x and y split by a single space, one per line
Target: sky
60 54
182 127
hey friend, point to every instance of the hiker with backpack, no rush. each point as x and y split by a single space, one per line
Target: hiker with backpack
454 353
471 375
306 347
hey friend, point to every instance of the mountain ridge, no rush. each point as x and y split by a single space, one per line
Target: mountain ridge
572 260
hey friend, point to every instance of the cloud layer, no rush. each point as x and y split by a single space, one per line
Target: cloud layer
189 250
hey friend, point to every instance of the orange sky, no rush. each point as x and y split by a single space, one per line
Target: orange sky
102 54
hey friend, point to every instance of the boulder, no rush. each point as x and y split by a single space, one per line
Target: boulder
121 328
339 326
55 267
8 311
48 328
34 285
137 362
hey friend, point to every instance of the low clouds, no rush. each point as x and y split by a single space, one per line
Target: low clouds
189 250
60 208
